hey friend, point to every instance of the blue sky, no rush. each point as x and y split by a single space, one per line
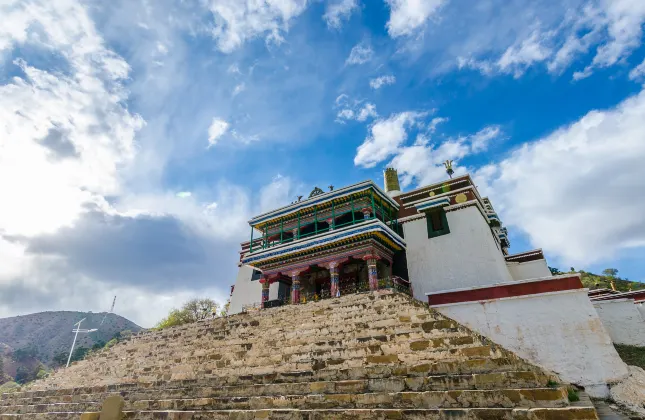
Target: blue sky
137 137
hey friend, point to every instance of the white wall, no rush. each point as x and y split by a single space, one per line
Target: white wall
246 291
467 256
641 309
558 331
528 270
622 320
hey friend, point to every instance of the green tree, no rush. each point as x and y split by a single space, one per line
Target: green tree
610 272
24 375
191 311
554 271
23 354
60 359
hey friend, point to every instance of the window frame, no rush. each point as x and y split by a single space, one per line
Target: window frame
432 233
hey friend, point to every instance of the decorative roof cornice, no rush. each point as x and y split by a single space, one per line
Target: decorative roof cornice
323 198
431 203
375 226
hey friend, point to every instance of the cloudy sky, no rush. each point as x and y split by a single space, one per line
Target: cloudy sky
137 137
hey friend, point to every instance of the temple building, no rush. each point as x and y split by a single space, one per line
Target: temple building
360 237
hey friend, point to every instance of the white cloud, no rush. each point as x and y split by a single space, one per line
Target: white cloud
239 89
184 194
63 136
518 57
338 11
378 82
407 16
577 192
369 110
385 137
217 129
638 72
527 36
422 162
360 54
352 110
236 22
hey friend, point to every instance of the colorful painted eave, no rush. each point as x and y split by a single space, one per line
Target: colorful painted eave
322 198
375 227
432 203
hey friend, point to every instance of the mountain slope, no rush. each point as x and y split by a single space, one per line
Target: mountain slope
49 333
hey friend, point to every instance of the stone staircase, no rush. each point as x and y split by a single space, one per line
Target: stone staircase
364 356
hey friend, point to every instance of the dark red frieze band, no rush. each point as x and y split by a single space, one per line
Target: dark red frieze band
507 290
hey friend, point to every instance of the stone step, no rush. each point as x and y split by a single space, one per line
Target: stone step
425 349
281 373
337 359
287 332
497 398
578 413
399 335
413 380
391 384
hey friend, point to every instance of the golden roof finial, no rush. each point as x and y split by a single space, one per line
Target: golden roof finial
448 165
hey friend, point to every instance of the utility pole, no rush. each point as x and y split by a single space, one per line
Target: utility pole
111 310
76 331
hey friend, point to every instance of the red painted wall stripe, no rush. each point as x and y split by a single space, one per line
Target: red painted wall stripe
507 290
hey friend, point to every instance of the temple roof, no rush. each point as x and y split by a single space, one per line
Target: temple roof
321 198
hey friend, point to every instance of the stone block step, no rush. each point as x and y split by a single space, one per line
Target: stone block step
286 335
402 340
391 384
573 413
497 398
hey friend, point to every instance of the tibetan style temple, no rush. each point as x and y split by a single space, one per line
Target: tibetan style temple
358 238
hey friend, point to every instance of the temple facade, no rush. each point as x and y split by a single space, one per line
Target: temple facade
358 238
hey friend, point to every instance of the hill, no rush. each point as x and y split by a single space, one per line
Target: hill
597 281
45 334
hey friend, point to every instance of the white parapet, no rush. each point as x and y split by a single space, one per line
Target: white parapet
622 320
559 331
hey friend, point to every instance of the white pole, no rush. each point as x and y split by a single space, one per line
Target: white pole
74 342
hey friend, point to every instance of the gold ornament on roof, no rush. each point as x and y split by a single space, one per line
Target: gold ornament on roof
448 165
461 198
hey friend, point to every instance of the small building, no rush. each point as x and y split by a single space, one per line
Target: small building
360 237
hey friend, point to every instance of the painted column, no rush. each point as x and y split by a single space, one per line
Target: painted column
372 272
334 274
330 222
295 287
265 290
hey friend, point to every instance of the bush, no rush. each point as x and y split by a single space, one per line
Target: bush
573 395
9 387
192 311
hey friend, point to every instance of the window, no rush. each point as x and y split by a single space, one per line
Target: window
257 275
437 223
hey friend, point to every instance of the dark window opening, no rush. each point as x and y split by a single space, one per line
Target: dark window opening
257 275
437 223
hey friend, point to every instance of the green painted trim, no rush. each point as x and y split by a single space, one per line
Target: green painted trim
444 220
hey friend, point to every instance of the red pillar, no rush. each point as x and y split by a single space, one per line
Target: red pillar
295 287
265 289
372 271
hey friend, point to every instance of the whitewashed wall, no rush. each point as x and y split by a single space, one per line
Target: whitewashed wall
246 291
622 320
467 256
528 270
641 309
558 331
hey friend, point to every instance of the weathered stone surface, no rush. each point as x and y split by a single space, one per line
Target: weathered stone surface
364 356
